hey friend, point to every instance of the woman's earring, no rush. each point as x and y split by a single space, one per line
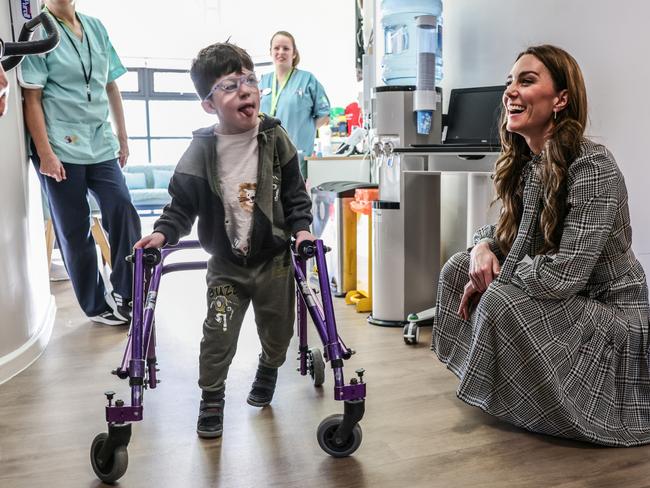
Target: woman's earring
554 115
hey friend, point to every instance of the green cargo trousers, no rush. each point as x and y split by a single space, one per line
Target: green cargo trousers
231 288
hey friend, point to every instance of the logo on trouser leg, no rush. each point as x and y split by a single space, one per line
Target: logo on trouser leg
222 311
281 266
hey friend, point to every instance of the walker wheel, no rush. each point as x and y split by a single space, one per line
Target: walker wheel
116 466
327 442
411 333
316 366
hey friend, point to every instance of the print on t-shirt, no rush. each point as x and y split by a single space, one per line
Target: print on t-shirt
247 196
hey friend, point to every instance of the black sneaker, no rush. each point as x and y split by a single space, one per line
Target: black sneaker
122 307
108 318
263 387
210 422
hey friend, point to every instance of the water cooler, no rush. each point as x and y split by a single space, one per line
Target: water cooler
408 111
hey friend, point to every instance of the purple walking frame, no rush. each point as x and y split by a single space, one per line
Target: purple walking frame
339 435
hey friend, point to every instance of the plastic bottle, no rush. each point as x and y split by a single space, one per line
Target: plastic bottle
353 116
400 41
325 136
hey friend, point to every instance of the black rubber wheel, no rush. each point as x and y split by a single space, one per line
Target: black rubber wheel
410 333
115 468
325 435
316 366
405 334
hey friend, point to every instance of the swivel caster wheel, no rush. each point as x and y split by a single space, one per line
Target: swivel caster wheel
116 466
411 333
327 441
316 366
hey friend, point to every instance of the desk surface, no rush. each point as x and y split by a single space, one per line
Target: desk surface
335 157
448 150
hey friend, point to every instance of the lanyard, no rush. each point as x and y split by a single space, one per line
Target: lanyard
275 94
90 56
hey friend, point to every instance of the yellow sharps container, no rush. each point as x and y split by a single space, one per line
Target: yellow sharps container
361 297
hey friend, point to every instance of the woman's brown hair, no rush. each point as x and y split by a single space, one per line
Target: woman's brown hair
296 58
560 149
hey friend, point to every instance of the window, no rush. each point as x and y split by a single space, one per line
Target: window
129 82
135 112
161 110
173 82
170 118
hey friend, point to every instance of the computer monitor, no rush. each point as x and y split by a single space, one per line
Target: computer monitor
473 115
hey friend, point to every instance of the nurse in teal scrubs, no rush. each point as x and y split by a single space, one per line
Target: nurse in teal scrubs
294 96
68 96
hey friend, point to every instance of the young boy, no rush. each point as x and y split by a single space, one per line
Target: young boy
242 180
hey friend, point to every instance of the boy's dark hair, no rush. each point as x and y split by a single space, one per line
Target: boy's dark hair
214 61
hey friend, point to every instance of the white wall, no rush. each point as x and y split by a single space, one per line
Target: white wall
324 32
610 42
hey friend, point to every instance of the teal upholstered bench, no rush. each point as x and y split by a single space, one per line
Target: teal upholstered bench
147 184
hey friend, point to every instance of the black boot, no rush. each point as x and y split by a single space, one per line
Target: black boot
263 387
210 423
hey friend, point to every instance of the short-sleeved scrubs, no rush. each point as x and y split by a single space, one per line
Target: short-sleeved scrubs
76 108
301 102
79 130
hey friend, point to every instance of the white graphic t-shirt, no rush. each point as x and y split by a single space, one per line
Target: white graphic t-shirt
237 169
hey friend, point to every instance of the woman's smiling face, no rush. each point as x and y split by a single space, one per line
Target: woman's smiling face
282 51
530 100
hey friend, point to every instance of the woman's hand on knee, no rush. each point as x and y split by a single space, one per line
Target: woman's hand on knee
156 239
470 298
484 266
52 167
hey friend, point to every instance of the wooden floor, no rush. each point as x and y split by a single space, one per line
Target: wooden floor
415 432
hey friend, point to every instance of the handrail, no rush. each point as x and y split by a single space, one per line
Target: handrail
14 52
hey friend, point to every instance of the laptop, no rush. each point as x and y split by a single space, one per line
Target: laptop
472 121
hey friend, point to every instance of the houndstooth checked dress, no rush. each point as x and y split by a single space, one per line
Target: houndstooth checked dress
558 345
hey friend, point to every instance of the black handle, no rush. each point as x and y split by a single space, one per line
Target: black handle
307 249
15 51
151 256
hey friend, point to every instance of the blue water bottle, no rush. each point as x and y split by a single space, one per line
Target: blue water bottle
400 39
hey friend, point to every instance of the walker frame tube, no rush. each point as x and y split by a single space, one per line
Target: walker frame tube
325 323
148 268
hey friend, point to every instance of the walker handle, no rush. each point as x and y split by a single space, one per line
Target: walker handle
151 256
307 249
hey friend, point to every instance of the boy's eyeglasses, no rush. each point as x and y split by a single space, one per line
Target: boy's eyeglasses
230 85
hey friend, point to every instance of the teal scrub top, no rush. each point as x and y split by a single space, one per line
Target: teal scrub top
301 102
78 130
